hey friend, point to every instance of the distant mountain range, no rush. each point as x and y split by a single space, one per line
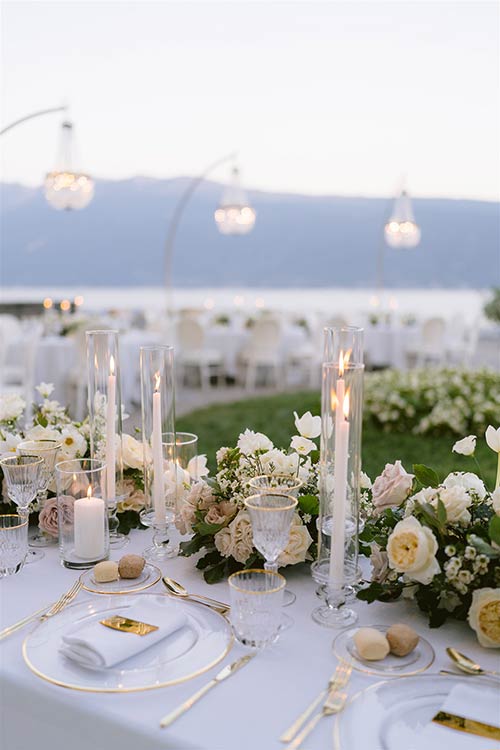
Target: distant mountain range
298 240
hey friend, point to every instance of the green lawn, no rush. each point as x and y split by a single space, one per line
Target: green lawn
220 425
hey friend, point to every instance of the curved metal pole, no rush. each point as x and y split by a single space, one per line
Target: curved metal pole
175 221
30 117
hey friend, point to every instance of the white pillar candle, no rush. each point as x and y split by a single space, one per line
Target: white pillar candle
157 447
89 527
110 433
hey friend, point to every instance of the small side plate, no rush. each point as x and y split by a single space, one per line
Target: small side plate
149 576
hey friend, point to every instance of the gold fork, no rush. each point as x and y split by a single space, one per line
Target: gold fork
44 613
338 679
334 703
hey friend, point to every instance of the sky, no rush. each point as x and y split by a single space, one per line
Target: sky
346 98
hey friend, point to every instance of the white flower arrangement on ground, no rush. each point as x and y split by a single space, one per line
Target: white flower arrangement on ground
433 401
51 421
437 542
213 510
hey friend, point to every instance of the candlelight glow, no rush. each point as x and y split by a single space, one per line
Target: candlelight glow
65 305
346 405
111 365
333 400
89 491
157 381
344 361
47 303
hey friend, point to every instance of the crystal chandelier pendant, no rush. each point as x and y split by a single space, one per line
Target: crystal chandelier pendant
401 231
65 188
235 215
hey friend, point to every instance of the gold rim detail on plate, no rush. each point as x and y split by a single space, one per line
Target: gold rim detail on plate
140 688
156 577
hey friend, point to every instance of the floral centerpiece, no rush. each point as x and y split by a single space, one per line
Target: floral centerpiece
437 542
213 510
51 421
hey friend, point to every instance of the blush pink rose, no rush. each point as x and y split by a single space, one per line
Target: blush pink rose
391 487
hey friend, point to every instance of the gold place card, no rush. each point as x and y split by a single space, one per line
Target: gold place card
126 625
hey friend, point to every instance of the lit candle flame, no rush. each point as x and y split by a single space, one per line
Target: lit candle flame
334 401
89 491
157 380
346 405
111 365
344 361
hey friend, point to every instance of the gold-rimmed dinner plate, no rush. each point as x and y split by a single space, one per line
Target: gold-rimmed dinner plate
203 642
149 576
393 714
415 662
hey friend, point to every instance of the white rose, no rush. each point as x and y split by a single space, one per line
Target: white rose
185 518
469 481
132 452
250 441
411 549
495 501
493 438
11 407
73 444
391 487
302 445
197 467
466 446
484 616
456 501
241 536
307 425
45 389
298 543
224 542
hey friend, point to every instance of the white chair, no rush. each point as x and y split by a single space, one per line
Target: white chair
263 351
19 377
461 341
432 348
194 354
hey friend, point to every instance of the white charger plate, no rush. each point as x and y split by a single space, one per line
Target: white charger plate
205 640
149 576
390 715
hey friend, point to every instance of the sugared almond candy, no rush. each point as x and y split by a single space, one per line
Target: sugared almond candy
371 644
402 639
131 566
106 571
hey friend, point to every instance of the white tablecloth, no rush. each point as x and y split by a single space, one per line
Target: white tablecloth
247 712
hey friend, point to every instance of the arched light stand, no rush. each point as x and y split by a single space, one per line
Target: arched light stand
235 215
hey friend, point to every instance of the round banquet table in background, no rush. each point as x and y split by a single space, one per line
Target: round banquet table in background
248 711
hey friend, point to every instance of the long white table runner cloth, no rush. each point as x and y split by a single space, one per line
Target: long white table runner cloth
247 712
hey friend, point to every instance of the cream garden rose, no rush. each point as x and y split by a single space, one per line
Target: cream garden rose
391 487
456 501
132 452
411 549
236 540
298 544
484 616
469 481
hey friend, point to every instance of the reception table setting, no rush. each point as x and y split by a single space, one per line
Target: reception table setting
283 601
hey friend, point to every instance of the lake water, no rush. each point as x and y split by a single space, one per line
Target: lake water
351 303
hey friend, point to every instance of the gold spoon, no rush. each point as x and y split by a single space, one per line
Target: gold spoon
177 589
467 665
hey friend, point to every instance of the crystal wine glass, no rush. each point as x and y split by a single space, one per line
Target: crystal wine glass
46 450
271 514
23 477
279 484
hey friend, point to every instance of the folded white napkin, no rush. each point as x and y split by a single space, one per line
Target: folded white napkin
471 702
96 645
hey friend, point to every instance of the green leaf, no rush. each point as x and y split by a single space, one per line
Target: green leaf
209 560
194 545
494 529
426 476
215 573
371 593
482 547
309 504
437 617
441 512
314 456
207 529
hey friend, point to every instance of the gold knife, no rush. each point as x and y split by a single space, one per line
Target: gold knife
470 726
227 671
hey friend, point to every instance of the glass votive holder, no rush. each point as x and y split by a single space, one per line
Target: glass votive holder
13 543
280 484
81 512
256 606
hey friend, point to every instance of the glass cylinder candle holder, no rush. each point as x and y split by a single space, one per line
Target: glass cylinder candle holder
82 512
336 568
105 420
158 420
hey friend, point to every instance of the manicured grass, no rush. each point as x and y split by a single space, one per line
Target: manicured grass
220 425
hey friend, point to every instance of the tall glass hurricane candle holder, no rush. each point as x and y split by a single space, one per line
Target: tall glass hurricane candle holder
105 420
81 512
336 568
158 421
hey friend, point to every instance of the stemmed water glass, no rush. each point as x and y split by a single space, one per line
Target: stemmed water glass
23 475
47 450
271 514
279 484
